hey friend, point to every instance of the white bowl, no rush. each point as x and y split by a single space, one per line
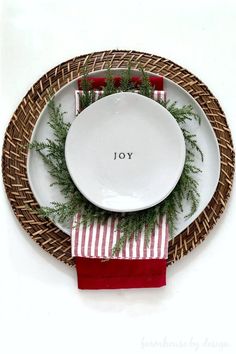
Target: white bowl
125 152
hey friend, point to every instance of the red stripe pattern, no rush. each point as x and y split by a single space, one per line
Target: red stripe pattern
97 241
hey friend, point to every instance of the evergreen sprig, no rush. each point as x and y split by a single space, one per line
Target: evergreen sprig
130 224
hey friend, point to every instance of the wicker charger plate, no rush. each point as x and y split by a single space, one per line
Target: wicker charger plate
20 128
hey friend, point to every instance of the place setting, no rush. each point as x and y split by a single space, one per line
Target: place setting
118 163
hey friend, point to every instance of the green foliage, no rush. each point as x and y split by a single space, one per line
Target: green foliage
88 95
145 87
130 224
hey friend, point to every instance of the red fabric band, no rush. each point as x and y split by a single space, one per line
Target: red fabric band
95 273
99 82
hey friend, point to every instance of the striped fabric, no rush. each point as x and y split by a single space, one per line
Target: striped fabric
97 241
157 96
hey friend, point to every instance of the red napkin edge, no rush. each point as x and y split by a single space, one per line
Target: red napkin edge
94 273
98 83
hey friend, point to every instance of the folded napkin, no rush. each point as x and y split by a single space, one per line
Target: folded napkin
137 265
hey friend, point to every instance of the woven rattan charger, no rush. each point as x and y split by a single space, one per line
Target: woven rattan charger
20 128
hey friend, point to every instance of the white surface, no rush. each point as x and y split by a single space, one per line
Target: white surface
41 311
40 180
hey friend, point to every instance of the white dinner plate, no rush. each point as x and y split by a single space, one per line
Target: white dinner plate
40 179
125 152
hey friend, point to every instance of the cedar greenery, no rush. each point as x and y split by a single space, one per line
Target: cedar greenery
130 224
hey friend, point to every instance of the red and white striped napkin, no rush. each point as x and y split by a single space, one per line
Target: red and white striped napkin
97 241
